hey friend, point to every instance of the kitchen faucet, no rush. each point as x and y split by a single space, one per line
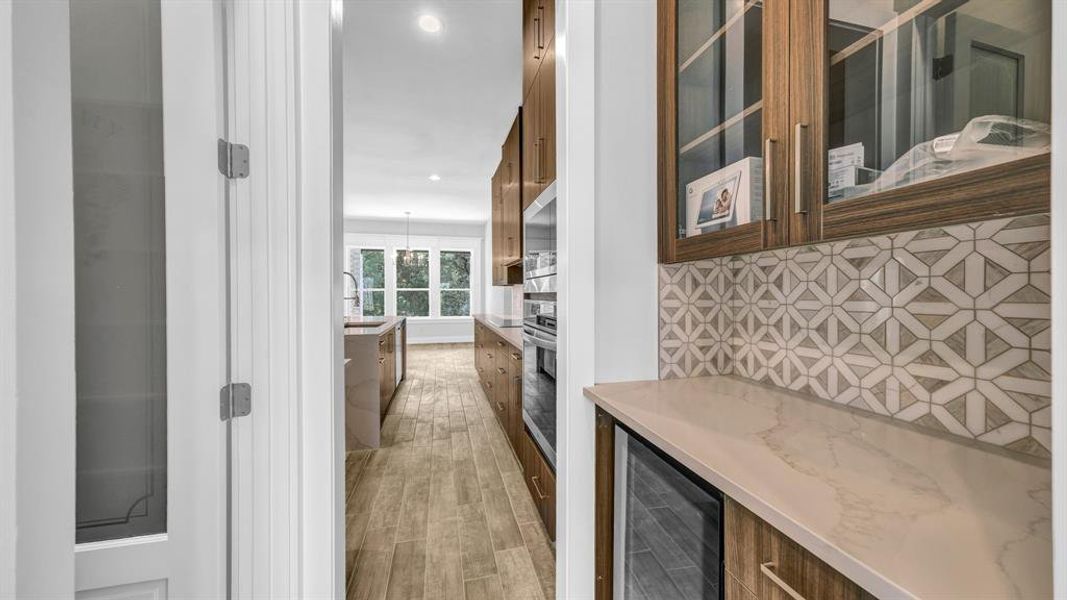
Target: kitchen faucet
355 285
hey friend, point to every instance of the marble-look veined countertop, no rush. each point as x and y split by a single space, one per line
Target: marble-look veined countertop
387 323
511 335
902 513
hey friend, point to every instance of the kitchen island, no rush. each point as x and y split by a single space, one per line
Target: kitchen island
375 364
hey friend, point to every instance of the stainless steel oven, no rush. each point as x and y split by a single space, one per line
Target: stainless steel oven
539 239
539 374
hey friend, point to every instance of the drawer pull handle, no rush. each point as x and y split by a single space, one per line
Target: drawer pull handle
768 182
540 494
767 569
501 371
800 139
516 356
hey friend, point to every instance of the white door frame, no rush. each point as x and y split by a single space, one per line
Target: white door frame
321 518
38 328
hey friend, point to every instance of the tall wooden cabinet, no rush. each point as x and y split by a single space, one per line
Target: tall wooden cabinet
539 129
507 209
790 122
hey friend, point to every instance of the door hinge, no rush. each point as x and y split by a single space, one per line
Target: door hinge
235 400
233 160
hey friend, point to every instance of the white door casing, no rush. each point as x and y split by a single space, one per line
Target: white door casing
188 560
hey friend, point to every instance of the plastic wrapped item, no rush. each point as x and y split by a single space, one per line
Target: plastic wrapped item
985 141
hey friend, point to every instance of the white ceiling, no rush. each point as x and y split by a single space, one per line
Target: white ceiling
418 103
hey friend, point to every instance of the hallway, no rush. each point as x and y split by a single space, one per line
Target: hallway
441 510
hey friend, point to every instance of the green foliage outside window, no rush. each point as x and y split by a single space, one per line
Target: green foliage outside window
413 303
455 270
374 303
373 269
416 275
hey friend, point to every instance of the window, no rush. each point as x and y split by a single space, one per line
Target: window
367 265
442 281
455 283
413 283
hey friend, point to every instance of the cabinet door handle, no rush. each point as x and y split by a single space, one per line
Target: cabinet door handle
799 206
768 179
540 160
767 569
516 356
537 37
537 161
540 494
501 371
541 27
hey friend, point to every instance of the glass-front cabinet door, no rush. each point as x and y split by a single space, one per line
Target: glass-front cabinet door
923 112
723 98
788 122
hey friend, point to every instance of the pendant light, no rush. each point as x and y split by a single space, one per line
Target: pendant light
409 258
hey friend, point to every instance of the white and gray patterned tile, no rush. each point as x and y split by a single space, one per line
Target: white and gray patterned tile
947 328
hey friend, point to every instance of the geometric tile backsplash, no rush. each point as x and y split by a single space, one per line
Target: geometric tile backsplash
946 328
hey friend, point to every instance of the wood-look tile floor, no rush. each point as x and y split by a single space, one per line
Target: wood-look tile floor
441 510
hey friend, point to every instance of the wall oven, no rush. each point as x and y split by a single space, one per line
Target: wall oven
539 323
539 374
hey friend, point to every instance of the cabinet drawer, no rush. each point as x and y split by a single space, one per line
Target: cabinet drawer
541 482
763 563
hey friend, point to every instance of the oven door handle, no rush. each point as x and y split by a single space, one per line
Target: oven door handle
539 341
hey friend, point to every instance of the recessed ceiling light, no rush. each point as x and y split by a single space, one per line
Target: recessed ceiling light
435 177
429 23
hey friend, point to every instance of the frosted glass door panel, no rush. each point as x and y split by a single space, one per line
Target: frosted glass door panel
120 274
924 89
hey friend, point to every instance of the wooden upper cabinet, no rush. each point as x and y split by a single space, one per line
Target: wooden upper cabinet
717 126
507 209
539 130
786 123
538 29
512 193
498 270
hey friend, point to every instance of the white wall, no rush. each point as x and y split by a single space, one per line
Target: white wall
7 314
626 278
1059 292
575 184
504 300
43 358
470 229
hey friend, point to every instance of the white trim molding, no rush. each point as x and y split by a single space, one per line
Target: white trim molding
319 124
1059 294
42 365
575 156
8 318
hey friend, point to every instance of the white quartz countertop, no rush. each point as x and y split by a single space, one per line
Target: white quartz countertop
902 513
379 325
511 335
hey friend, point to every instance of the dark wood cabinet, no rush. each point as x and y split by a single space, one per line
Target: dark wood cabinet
539 130
386 369
798 121
538 32
541 481
514 424
507 209
499 365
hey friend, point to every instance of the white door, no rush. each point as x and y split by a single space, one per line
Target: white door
150 264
